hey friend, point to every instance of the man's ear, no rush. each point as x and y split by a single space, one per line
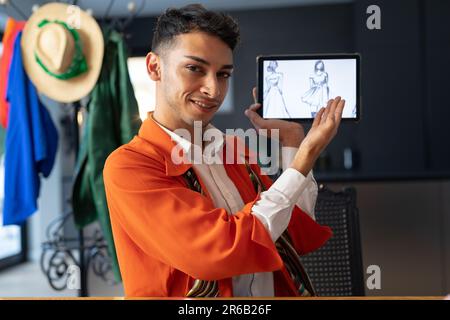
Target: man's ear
153 63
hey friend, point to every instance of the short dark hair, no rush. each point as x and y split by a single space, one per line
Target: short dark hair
191 18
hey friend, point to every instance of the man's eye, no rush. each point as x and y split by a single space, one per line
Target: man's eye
225 75
193 68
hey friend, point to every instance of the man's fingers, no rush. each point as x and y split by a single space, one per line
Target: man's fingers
318 117
326 111
255 106
255 95
331 114
255 118
251 113
338 111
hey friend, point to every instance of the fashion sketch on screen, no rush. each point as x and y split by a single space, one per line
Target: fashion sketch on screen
274 104
319 91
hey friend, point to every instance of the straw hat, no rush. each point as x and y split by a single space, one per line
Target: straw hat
62 50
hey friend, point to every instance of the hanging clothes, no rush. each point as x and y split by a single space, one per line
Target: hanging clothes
113 120
31 143
11 30
2 172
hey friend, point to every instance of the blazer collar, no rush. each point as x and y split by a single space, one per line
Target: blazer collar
154 134
165 141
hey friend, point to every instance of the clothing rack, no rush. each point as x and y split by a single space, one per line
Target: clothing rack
60 253
82 263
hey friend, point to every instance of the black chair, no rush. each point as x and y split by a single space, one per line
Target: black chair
336 269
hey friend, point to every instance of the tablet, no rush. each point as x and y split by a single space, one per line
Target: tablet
297 86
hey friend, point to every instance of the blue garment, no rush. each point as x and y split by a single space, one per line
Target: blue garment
30 147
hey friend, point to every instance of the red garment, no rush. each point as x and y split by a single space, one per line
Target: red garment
167 235
11 30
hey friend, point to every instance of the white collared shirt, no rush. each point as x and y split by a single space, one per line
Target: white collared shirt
273 209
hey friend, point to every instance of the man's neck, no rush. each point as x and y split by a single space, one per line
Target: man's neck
167 123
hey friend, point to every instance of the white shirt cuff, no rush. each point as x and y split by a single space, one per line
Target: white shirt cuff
291 183
274 209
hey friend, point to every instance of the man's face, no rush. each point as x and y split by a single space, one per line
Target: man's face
194 77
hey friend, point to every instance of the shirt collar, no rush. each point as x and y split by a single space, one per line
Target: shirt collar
215 145
165 140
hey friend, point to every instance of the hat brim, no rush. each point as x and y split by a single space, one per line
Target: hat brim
91 36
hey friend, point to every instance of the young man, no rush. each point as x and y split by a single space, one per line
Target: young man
200 229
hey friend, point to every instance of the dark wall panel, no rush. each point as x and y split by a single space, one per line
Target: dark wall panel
390 135
404 130
437 33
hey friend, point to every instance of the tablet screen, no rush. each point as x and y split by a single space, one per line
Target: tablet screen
296 88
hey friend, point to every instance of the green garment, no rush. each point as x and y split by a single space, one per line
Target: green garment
113 120
2 140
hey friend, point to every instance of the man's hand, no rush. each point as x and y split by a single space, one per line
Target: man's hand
291 133
323 129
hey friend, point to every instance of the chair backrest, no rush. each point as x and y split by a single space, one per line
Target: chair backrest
336 269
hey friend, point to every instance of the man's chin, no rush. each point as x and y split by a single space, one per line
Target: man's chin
199 121
205 117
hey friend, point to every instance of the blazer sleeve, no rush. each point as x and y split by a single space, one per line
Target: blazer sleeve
181 227
306 234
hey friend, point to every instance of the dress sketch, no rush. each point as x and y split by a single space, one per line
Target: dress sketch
318 94
274 105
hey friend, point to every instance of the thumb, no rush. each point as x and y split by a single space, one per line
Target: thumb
255 106
254 118
255 95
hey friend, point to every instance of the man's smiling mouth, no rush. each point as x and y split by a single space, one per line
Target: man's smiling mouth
204 105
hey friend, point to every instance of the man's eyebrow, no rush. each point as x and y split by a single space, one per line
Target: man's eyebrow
203 61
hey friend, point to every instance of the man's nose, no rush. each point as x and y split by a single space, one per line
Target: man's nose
211 87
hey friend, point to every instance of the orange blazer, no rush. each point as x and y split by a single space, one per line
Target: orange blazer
167 235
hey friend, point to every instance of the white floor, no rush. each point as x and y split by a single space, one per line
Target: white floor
27 280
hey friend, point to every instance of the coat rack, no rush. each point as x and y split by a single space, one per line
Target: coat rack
64 260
